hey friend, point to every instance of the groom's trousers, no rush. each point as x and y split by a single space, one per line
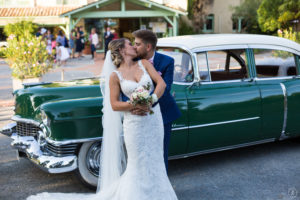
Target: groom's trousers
167 130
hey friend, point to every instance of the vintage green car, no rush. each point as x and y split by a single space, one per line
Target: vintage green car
232 90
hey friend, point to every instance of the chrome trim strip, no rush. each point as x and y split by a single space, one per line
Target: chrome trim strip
274 78
225 122
57 143
285 109
214 124
221 149
17 118
218 82
184 83
180 128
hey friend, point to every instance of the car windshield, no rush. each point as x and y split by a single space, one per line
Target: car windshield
183 68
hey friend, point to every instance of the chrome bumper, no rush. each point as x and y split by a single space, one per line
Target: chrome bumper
31 147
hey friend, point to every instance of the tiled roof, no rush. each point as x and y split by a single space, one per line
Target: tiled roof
36 11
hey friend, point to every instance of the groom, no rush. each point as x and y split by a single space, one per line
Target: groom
145 44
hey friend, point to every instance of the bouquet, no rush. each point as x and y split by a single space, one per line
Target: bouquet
141 95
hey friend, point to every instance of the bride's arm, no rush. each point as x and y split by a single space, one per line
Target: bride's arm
116 104
160 83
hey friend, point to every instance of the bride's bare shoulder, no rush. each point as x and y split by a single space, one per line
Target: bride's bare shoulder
114 77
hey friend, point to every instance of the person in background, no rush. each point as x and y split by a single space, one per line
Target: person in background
72 39
61 38
62 54
49 37
38 33
53 47
115 34
82 35
108 36
94 41
79 44
43 33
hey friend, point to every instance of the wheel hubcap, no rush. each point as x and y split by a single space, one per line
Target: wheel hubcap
93 158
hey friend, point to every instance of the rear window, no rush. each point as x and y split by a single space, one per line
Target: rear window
183 68
274 63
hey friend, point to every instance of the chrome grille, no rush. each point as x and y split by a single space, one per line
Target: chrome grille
27 129
62 150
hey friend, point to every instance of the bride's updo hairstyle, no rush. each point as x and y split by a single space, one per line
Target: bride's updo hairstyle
115 46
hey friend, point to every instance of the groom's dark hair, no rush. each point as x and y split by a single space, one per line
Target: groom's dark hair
147 37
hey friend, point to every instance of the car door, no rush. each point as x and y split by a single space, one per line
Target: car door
183 77
277 76
224 107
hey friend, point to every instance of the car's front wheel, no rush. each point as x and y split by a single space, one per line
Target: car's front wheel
89 163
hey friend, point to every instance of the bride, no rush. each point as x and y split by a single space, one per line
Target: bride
144 176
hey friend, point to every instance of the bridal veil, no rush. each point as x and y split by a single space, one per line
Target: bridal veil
113 158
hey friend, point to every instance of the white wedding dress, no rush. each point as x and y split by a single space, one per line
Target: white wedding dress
145 176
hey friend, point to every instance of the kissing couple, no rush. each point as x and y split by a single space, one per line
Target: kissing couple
138 169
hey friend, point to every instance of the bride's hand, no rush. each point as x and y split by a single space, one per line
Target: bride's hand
141 110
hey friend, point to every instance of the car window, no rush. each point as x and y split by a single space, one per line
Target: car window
274 63
223 65
183 68
202 66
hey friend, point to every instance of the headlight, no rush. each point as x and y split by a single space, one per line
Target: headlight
45 118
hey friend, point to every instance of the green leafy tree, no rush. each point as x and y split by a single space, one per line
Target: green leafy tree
288 12
248 11
20 29
278 14
197 9
25 53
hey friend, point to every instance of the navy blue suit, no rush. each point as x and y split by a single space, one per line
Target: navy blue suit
169 110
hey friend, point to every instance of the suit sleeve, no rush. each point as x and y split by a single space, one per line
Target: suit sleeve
168 76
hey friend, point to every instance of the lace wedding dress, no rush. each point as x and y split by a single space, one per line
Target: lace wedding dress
145 176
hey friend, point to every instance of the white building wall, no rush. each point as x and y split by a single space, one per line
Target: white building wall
222 15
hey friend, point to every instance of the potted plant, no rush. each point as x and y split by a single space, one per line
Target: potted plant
25 53
87 45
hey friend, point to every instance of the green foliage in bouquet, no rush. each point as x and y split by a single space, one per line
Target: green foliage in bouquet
26 54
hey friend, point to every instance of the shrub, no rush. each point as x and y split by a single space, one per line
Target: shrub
25 53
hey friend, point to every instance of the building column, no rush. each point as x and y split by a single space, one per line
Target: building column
175 26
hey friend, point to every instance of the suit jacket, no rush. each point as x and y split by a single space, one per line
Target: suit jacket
110 37
165 66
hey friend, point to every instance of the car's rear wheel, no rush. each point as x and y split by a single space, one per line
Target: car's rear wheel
89 163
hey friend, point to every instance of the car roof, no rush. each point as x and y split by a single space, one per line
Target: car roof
208 40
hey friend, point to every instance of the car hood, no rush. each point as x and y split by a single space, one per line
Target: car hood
29 99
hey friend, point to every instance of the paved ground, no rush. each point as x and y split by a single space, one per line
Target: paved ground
262 172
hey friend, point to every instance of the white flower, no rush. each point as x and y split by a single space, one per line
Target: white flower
11 36
134 95
145 94
33 65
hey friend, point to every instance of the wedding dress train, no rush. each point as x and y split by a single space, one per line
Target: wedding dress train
145 176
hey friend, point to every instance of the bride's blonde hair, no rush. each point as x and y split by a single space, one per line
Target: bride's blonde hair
115 46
